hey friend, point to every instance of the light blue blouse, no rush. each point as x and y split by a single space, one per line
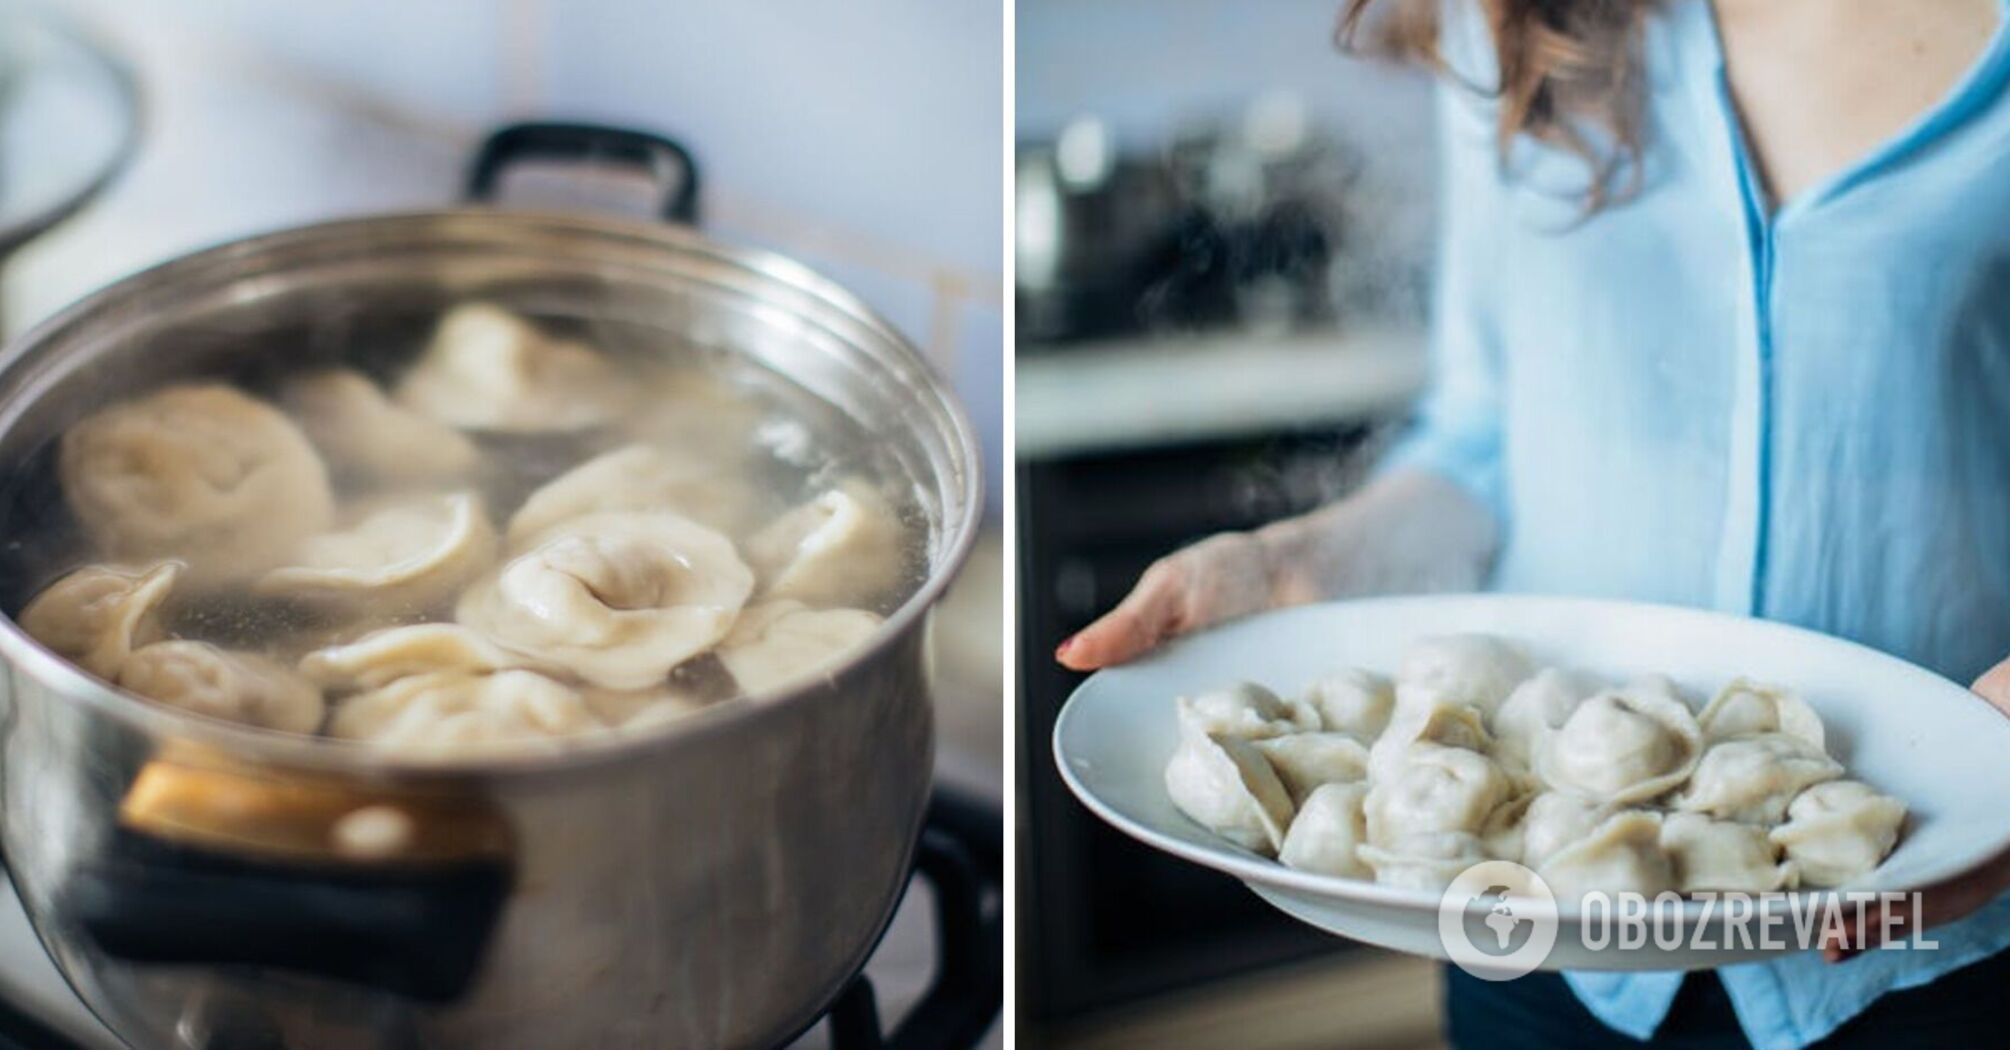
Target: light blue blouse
1798 412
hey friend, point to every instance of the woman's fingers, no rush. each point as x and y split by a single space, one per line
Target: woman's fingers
1141 621
1217 579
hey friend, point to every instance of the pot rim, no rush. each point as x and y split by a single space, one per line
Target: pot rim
26 656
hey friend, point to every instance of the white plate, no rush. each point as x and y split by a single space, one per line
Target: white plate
1905 730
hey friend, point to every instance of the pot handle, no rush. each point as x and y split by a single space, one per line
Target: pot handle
672 166
417 932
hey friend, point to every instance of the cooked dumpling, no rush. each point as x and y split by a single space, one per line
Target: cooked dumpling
1722 856
638 477
778 642
1624 745
1555 820
488 369
202 473
1745 708
1535 708
842 548
1839 830
634 710
1244 710
618 598
1304 761
1353 701
1622 854
1431 722
1427 861
366 436
223 683
97 615
1327 833
404 556
1226 786
448 713
1476 669
386 655
1434 788
1753 778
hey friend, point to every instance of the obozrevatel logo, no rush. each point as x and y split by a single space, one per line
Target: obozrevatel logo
1497 920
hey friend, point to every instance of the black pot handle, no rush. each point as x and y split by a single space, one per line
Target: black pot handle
417 932
961 854
672 166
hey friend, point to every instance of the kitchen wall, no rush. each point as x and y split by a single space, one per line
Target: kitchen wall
861 138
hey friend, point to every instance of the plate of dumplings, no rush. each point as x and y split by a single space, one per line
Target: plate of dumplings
1349 760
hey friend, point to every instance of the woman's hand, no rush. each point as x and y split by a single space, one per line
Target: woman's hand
1219 578
1957 897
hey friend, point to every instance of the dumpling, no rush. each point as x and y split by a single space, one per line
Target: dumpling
1625 745
1352 701
1536 707
366 436
383 656
1226 786
97 615
449 713
1476 669
200 472
842 548
403 556
1434 788
223 683
488 369
1304 761
1753 778
1429 722
618 598
635 710
1839 830
638 477
1427 861
700 411
1555 820
1722 856
1622 854
1244 710
1745 708
776 643
1326 835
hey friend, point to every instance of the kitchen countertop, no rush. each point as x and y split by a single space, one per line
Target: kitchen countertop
1142 392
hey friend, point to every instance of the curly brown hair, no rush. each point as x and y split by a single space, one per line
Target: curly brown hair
1570 73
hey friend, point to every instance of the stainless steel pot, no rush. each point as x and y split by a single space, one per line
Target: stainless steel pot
711 885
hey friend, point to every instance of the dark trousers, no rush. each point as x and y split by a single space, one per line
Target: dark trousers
1969 1007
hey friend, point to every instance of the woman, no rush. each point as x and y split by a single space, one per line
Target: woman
1723 319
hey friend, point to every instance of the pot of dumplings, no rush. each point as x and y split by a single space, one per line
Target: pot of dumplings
471 628
1349 761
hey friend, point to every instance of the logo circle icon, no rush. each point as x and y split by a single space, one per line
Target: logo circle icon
1497 920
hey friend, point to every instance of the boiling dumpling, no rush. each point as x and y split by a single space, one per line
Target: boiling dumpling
1746 708
448 713
1226 786
97 615
1839 830
1427 861
488 369
1620 746
635 710
842 548
1434 788
367 436
1304 761
223 683
1722 856
1326 835
403 556
203 473
1429 722
703 413
1244 710
386 655
1753 778
1535 708
1352 701
638 477
618 598
1476 669
1622 854
778 642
